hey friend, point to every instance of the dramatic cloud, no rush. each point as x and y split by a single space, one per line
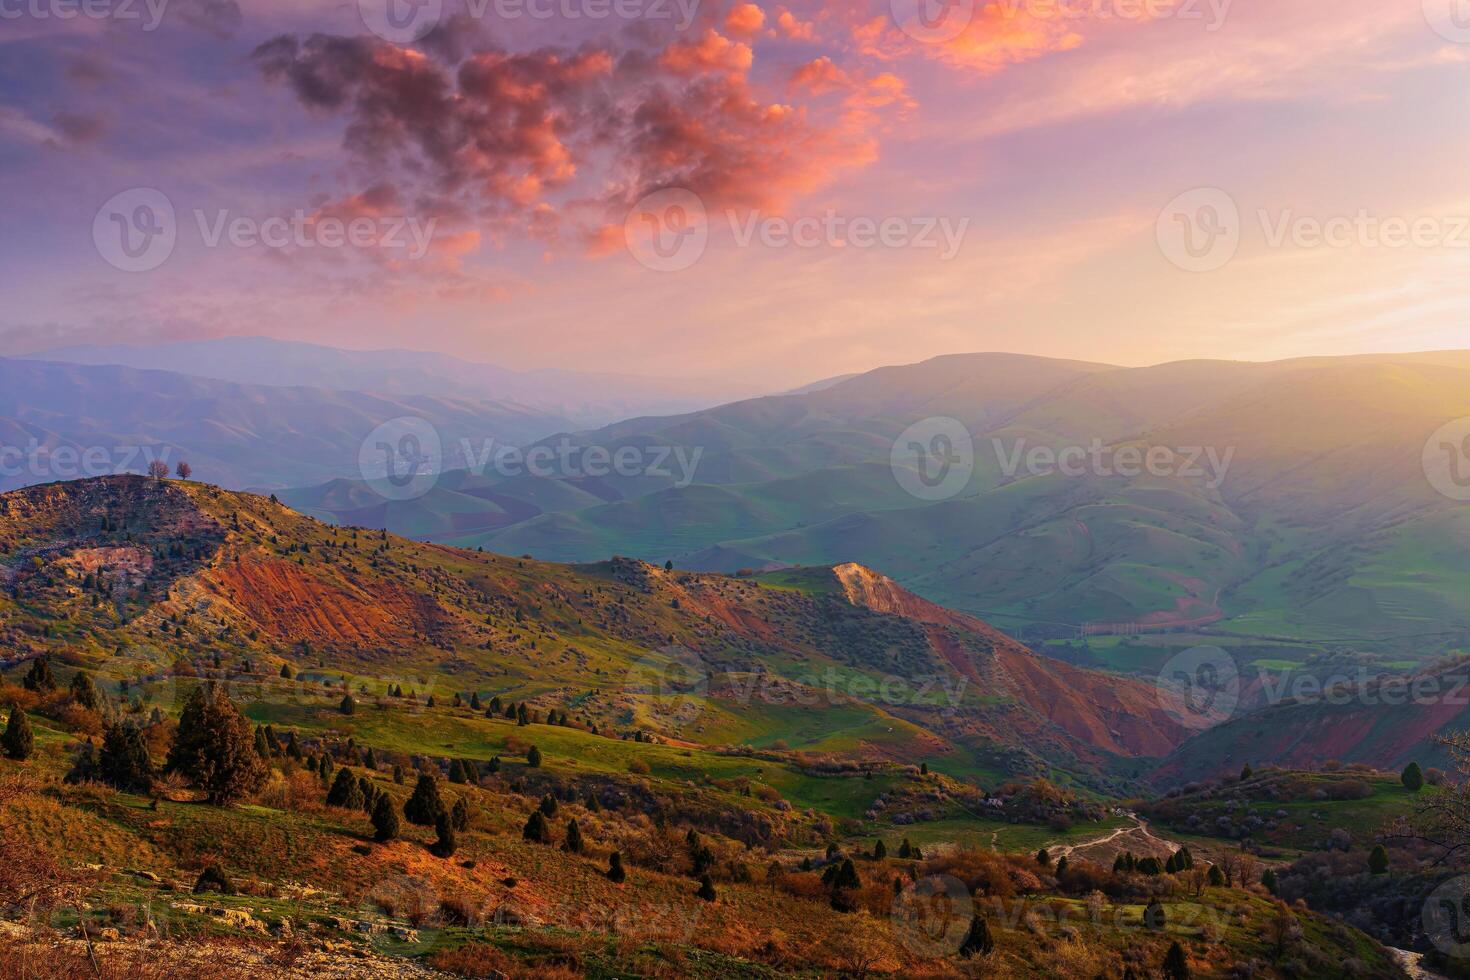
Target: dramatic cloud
530 141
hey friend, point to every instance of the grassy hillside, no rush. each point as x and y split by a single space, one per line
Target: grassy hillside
760 731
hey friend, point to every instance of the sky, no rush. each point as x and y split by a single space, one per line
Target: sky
768 192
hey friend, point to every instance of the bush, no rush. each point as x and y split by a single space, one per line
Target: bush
213 879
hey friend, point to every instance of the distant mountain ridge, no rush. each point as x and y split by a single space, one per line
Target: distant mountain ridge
584 399
1322 525
62 421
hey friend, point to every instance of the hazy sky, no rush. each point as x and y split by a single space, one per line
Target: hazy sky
772 192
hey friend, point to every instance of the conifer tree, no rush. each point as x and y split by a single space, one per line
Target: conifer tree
978 941
573 844
425 806
446 845
533 758
615 872
345 791
385 819
18 741
706 889
84 691
536 829
124 762
459 816
214 749
1176 964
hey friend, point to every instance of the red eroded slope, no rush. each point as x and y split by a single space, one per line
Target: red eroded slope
1109 712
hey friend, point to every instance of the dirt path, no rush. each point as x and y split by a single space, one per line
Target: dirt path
1138 839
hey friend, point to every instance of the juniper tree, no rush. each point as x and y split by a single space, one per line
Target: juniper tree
1176 964
1412 778
18 741
124 762
214 749
615 872
978 941
446 845
536 829
347 705
345 791
706 889
39 678
573 844
385 819
533 758
548 805
459 816
84 691
425 806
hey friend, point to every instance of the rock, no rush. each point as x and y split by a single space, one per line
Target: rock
108 936
145 875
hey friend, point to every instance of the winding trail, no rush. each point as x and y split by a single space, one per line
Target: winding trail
1137 838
